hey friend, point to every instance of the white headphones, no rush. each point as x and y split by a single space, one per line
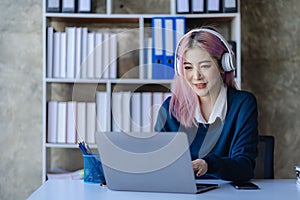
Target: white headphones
226 60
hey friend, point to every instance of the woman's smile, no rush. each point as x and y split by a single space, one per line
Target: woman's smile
200 85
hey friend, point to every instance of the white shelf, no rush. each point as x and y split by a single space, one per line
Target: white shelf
137 16
66 146
109 81
140 21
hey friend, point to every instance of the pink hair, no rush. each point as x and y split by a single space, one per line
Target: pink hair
184 100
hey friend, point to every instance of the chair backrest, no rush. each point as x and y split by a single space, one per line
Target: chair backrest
264 168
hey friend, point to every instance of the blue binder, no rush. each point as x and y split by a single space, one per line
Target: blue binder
179 29
169 47
166 32
158 47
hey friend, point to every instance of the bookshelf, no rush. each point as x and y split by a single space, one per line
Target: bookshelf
131 29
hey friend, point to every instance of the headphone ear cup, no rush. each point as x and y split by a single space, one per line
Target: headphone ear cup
225 61
177 67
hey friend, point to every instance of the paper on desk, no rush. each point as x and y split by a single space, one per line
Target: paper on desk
75 175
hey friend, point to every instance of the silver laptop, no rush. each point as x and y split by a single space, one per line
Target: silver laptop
150 162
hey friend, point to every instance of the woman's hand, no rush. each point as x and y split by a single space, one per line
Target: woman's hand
199 166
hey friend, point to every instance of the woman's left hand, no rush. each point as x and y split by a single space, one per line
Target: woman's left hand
199 166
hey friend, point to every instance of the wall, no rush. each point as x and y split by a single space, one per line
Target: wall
21 97
270 57
270 69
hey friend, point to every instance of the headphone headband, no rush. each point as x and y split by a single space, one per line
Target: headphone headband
227 57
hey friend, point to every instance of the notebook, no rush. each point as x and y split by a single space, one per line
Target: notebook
148 162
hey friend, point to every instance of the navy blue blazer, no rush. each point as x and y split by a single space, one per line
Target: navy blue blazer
233 156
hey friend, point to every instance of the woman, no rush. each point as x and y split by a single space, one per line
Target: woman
220 121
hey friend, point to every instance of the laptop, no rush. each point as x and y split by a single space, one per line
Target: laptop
148 162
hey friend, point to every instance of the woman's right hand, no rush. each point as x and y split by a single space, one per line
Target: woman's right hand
200 167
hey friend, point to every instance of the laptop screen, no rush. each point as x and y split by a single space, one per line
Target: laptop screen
158 162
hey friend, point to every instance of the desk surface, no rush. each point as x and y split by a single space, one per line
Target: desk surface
77 189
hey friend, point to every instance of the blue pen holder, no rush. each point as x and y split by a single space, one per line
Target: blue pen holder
93 172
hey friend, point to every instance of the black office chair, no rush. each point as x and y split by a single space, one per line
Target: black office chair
264 168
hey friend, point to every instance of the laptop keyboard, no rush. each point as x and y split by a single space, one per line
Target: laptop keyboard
203 187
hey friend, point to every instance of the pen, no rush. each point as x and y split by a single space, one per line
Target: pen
95 170
82 148
89 151
87 148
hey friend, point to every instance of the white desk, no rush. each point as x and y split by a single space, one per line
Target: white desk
281 189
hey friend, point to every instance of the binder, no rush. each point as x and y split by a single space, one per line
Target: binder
61 122
91 57
147 68
53 6
98 55
126 120
68 6
136 112
198 6
81 120
166 32
78 52
113 55
183 6
84 6
106 55
63 55
71 122
101 111
145 61
149 58
229 6
90 122
70 57
180 28
50 35
169 47
213 6
158 47
146 111
116 111
56 55
84 52
52 122
157 98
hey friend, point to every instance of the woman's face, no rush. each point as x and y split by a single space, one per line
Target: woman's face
201 72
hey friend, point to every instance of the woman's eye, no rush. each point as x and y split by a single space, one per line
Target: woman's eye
205 66
187 67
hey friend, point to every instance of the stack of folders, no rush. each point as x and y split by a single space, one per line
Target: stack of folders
78 53
135 111
206 6
68 121
166 33
131 111
297 168
69 6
